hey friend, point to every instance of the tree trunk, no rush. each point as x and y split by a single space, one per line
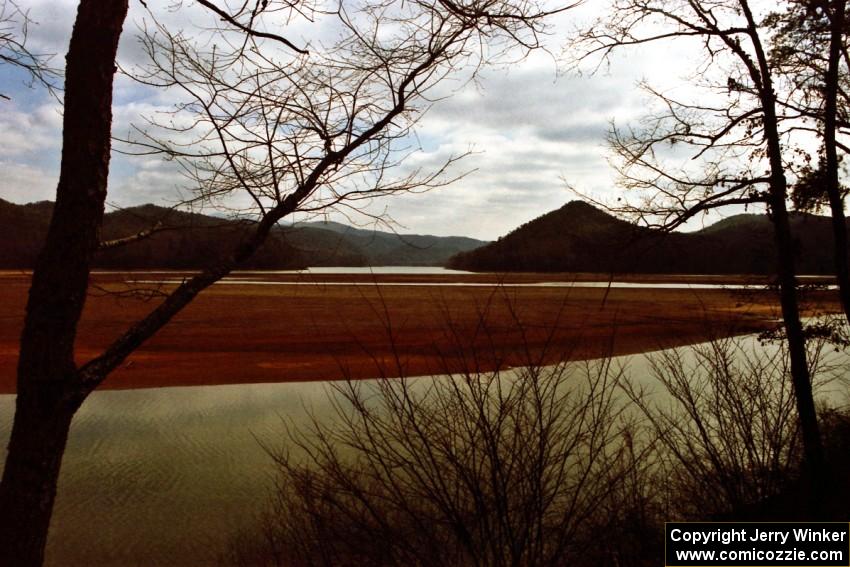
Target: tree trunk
839 235
795 338
836 202
42 418
49 385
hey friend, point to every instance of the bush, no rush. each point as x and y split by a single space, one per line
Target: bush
572 464
498 468
725 428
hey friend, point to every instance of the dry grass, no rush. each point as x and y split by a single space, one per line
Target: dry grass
274 333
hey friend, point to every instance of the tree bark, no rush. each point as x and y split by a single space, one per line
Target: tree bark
49 385
836 202
42 420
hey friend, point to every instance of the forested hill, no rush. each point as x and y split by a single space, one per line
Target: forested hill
581 238
187 240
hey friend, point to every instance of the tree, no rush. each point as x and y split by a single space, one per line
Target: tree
723 145
337 115
810 49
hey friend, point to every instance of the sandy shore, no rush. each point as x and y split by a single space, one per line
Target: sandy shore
263 327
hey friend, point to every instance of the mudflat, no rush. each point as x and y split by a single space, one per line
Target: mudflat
276 327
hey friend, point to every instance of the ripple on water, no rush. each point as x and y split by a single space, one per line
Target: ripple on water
165 476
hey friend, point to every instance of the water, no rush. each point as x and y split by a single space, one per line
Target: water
166 476
247 280
421 270
267 278
612 285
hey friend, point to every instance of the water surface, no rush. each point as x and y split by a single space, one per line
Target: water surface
167 476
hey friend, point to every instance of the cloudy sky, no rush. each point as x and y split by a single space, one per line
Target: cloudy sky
532 128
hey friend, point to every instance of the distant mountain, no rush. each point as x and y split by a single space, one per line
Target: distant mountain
390 249
581 238
186 240
22 230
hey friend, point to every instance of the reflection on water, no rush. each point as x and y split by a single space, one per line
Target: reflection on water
166 476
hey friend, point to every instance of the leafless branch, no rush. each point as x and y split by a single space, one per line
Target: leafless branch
289 134
14 30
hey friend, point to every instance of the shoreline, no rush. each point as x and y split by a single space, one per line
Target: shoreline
244 333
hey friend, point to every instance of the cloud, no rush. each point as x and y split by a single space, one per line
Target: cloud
145 180
23 183
31 149
30 133
531 133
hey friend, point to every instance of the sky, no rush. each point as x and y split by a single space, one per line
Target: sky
536 133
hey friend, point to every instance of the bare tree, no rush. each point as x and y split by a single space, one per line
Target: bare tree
724 145
728 443
530 467
324 119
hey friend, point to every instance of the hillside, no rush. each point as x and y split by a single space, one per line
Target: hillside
580 238
188 240
391 249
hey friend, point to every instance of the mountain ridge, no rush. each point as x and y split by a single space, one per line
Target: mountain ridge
578 237
187 240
